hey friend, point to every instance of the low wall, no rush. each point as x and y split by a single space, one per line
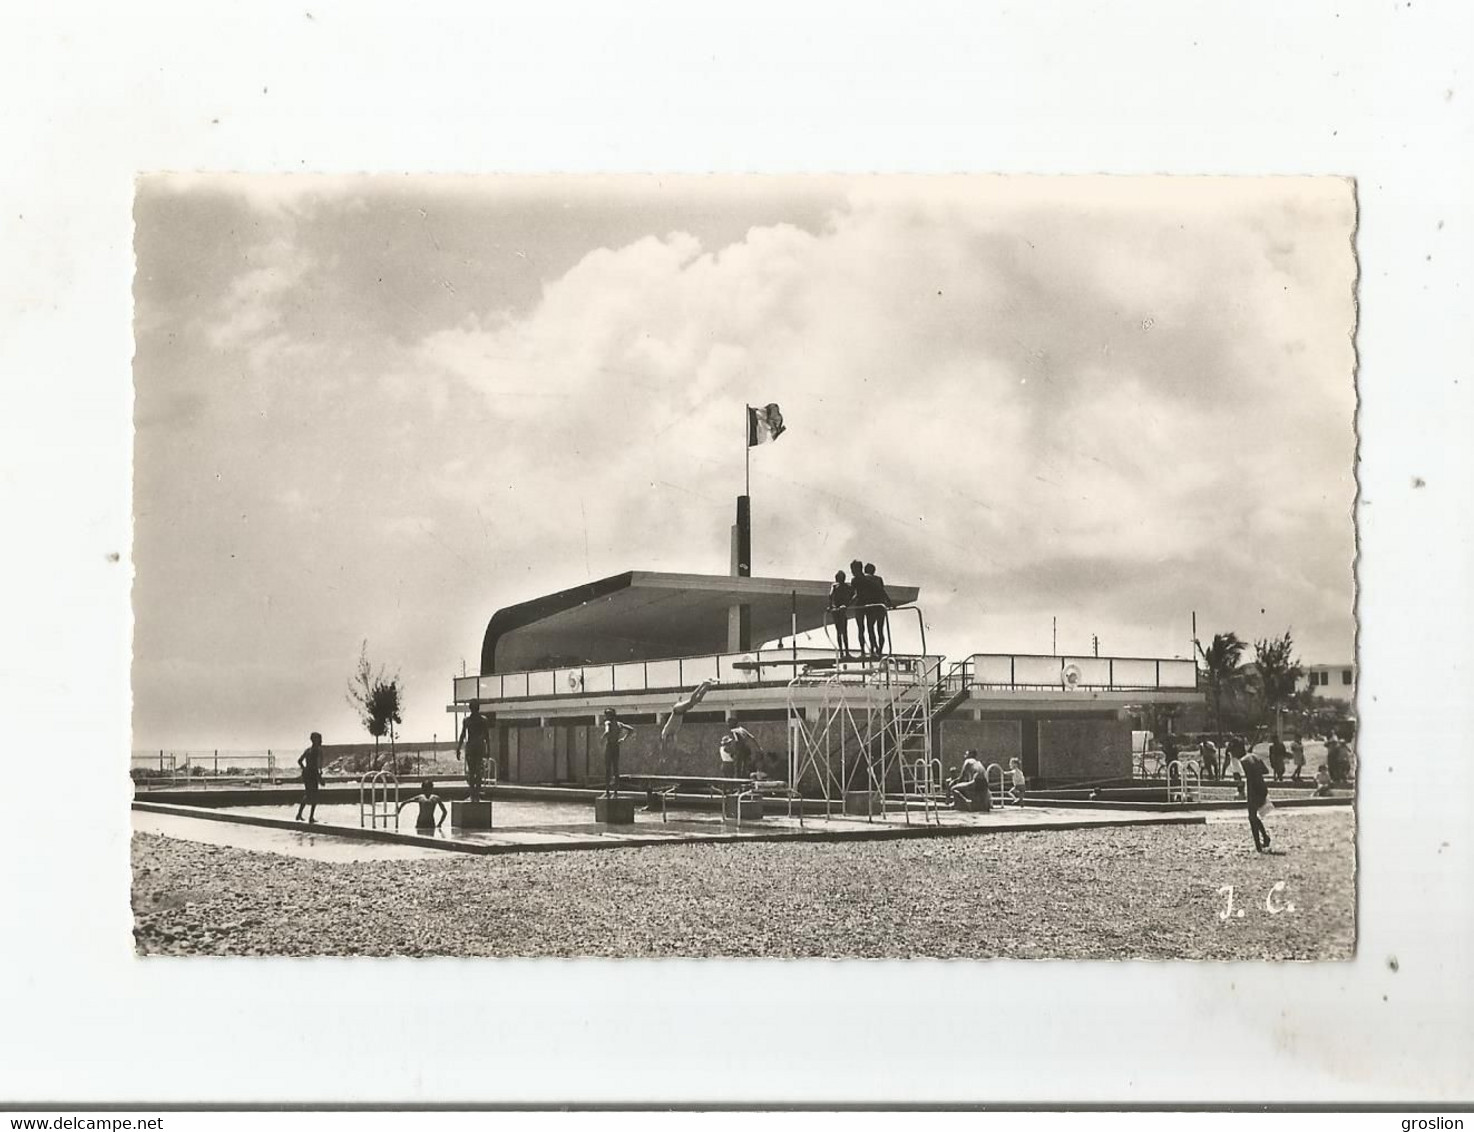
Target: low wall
572 751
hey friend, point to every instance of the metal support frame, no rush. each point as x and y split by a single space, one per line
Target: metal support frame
871 719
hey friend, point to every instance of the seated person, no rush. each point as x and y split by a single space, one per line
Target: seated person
1322 783
970 790
430 804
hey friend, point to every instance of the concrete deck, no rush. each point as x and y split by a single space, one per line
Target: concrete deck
277 832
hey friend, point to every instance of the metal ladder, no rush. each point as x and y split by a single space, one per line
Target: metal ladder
1000 799
374 793
1189 784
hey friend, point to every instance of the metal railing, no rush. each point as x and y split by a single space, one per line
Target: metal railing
1186 785
1032 672
758 667
1000 799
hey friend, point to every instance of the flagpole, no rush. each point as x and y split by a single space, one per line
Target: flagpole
746 449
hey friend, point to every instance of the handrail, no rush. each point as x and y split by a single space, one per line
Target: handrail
376 786
754 667
1187 771
1002 784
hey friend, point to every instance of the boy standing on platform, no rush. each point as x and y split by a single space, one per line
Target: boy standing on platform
841 597
879 601
614 733
857 603
475 735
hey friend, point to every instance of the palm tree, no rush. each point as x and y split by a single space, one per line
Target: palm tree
1222 659
1278 672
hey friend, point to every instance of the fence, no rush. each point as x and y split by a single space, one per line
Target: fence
175 767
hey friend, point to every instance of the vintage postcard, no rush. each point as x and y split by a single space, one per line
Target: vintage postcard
849 567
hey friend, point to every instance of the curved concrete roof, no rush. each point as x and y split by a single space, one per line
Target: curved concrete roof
644 615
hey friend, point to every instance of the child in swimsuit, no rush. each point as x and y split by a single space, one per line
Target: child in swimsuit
429 802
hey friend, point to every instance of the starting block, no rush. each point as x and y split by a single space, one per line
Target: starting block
470 815
614 810
747 807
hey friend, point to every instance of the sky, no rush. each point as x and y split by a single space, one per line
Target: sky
380 408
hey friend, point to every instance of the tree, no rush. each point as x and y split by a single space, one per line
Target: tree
1278 673
378 701
1222 659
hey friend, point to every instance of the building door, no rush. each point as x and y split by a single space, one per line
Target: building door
506 753
1029 756
578 756
560 754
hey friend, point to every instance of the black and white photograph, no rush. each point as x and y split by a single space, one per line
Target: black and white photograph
781 567
570 563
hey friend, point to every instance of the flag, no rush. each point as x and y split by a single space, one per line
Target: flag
763 424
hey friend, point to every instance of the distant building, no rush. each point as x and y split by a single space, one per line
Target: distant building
1329 681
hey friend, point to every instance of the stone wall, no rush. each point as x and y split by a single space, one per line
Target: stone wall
573 752
1084 750
995 740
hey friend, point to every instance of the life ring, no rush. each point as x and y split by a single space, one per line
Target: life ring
1070 677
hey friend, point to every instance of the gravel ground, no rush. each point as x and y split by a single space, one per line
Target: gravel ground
1148 892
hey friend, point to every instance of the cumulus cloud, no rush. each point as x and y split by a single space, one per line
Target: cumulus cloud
1114 401
1122 376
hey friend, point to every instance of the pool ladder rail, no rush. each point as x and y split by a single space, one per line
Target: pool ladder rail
375 802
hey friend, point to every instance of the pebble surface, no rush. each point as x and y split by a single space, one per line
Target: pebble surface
1142 892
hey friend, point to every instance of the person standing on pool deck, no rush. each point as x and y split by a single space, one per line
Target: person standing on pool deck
429 803
1277 757
740 752
311 764
1233 753
1020 780
614 733
476 738
1208 752
1297 754
841 597
1258 795
678 712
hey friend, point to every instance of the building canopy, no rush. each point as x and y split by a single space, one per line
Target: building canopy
644 615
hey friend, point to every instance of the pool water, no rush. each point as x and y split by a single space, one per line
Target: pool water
525 823
509 815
